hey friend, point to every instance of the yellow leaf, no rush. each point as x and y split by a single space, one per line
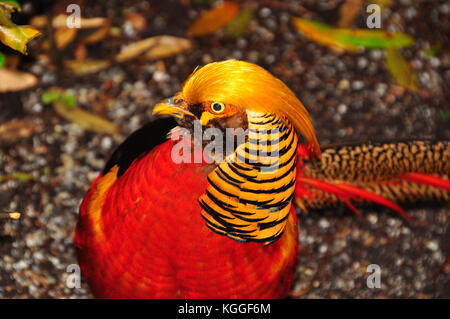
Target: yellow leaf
86 66
84 119
63 37
154 47
214 19
399 69
15 36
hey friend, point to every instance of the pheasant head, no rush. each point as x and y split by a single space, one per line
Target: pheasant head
220 95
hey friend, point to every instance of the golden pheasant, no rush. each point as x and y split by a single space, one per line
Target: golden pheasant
171 216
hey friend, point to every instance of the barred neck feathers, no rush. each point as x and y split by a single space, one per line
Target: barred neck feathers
249 194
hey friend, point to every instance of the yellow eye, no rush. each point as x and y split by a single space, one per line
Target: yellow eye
217 107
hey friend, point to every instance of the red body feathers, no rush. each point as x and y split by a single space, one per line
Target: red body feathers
142 236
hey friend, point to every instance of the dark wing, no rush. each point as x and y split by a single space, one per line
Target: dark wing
140 143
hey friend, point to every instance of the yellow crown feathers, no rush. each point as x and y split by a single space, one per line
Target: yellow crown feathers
251 87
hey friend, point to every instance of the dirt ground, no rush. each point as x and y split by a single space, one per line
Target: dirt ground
351 97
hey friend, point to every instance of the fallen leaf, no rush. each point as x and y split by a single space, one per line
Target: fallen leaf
53 95
68 100
214 19
84 119
348 12
99 34
63 36
399 69
12 35
13 81
86 66
168 46
137 20
15 130
60 21
154 47
50 96
23 177
351 40
239 24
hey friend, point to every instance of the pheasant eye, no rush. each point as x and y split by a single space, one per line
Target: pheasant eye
217 107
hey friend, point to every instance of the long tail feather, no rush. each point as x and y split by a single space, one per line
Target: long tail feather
386 174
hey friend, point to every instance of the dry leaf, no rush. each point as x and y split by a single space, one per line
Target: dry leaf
399 69
154 47
86 66
99 34
63 36
60 21
84 119
80 52
13 81
13 131
168 46
348 13
137 20
214 19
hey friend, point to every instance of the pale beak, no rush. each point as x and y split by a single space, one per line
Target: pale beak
170 108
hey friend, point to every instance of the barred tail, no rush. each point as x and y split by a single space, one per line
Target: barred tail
384 173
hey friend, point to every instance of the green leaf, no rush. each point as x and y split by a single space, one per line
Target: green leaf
10 5
445 116
351 39
47 171
434 50
23 177
373 39
399 69
2 59
239 25
69 100
50 96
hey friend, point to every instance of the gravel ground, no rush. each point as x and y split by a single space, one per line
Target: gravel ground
351 97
